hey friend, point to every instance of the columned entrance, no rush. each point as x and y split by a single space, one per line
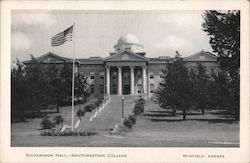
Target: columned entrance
122 80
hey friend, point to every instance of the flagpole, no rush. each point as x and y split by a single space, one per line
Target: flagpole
73 80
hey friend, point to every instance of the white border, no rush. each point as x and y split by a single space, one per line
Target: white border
17 154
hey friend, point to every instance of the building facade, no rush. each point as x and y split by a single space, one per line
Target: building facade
127 70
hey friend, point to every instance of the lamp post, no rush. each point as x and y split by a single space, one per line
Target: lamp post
80 99
122 105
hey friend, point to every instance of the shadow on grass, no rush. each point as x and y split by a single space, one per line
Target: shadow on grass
30 115
222 112
159 111
166 114
229 121
160 115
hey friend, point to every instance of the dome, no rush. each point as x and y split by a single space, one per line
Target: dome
128 39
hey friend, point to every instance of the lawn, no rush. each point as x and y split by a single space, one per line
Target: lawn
156 128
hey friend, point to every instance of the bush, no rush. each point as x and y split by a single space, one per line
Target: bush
138 108
132 118
80 113
89 107
141 100
98 103
46 124
69 133
58 119
128 122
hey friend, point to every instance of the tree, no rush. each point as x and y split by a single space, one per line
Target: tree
222 96
81 87
224 31
19 92
53 91
38 83
175 89
200 83
66 82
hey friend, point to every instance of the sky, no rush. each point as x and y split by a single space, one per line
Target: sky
161 33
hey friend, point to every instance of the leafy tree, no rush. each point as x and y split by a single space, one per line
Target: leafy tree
221 93
200 92
224 31
19 92
36 79
175 89
81 87
53 91
37 86
66 82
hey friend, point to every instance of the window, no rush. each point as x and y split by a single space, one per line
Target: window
139 75
92 75
139 85
101 88
92 88
101 75
114 77
151 76
114 89
151 88
139 91
212 70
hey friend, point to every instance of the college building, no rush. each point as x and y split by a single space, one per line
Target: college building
127 70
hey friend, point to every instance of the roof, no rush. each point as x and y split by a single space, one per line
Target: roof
201 56
90 61
57 58
125 55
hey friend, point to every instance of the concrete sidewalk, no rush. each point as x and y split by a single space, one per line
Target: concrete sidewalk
111 114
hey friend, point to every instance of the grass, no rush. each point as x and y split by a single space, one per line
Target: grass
157 128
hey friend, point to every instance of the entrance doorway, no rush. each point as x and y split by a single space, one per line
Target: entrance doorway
126 89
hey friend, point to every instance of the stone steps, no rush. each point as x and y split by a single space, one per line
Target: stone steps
111 114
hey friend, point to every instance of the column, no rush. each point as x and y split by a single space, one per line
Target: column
132 82
144 79
108 80
148 85
119 80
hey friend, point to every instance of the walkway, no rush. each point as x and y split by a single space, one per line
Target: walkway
111 114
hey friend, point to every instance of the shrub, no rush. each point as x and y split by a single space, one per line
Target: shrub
69 133
89 107
132 118
46 124
80 113
58 119
138 108
98 103
142 101
128 122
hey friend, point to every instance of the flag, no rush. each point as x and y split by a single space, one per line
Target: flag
62 37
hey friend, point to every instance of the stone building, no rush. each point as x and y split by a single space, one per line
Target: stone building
127 70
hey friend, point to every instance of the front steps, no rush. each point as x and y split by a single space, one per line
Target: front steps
111 113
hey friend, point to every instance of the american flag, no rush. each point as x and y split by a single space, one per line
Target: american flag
62 37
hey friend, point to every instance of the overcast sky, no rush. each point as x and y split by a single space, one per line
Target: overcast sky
96 32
